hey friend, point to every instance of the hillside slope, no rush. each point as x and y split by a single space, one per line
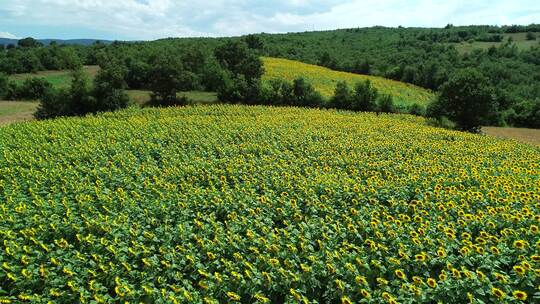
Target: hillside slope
325 80
262 204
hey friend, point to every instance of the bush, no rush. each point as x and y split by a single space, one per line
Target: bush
277 92
30 89
54 103
531 36
236 89
81 99
441 122
364 97
342 98
4 85
525 114
416 109
386 104
305 94
300 93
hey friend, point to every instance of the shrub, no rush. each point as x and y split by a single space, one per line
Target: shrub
54 103
364 97
386 104
277 92
236 89
4 85
342 98
416 109
30 89
305 94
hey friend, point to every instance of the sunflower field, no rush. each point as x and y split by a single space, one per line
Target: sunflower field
325 80
242 204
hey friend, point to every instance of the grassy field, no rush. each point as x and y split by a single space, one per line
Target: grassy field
325 80
56 78
141 97
16 111
531 136
252 204
519 40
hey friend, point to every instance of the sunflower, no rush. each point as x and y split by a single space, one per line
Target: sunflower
420 257
498 293
400 274
481 276
520 295
520 244
431 282
519 270
365 293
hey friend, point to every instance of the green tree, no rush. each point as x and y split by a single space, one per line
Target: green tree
109 88
167 77
364 97
28 42
254 42
466 99
342 98
236 57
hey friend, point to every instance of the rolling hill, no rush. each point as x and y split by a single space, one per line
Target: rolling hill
324 80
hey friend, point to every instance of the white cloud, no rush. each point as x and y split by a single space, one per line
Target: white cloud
151 19
8 35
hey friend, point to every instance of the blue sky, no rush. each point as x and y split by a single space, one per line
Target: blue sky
153 19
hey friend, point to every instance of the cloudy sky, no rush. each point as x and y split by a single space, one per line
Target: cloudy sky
152 19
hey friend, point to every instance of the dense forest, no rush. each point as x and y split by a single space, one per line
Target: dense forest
427 57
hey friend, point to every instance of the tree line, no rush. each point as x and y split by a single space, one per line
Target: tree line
510 75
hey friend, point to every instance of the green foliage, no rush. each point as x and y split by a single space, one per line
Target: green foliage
467 99
342 98
109 88
416 109
237 89
236 57
242 80
167 77
4 85
386 104
107 94
364 97
30 89
28 42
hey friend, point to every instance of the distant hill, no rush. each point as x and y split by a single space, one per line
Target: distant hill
6 41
